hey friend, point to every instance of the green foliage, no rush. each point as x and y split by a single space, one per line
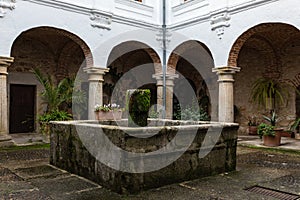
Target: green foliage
273 119
138 106
265 129
61 96
52 116
266 91
140 100
53 94
55 116
252 121
295 125
191 112
153 113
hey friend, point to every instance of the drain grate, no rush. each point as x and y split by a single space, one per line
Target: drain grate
273 193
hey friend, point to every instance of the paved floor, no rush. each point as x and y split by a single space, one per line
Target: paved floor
26 174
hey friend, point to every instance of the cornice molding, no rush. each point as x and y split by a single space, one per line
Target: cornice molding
6 4
219 19
232 10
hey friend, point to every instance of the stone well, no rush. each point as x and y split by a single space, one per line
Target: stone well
191 150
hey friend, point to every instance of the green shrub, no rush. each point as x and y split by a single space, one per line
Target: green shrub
52 116
265 129
138 106
191 112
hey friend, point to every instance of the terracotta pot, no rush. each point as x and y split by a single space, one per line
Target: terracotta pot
272 141
109 115
285 134
252 130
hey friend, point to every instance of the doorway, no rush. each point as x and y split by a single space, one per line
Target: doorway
21 112
298 103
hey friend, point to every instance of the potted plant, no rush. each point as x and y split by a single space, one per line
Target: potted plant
269 135
295 128
108 112
252 125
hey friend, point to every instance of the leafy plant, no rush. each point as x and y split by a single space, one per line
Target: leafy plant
138 106
52 116
54 95
265 129
191 112
295 125
273 119
153 113
252 121
266 91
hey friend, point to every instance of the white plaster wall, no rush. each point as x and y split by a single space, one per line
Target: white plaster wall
28 15
240 21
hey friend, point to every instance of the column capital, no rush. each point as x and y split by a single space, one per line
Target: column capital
5 62
96 73
226 70
226 73
169 79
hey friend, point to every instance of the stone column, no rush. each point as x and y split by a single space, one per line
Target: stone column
169 92
5 139
226 101
95 88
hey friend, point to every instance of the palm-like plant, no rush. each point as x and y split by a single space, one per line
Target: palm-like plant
53 95
266 91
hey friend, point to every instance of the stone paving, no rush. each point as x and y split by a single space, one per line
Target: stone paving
26 174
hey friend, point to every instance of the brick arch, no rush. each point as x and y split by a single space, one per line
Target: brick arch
239 43
85 48
130 46
179 50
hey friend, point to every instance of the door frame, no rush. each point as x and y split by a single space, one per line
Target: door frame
26 78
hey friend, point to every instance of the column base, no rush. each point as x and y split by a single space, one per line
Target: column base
6 141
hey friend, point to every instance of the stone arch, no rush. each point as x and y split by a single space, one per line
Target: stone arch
130 46
239 43
179 50
85 48
270 51
124 57
193 61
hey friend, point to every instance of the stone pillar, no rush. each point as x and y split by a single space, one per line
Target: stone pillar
95 88
5 139
169 92
226 101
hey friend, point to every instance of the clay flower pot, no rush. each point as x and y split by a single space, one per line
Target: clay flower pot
252 130
272 141
109 115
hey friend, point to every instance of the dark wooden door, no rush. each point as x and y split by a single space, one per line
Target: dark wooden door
22 101
298 103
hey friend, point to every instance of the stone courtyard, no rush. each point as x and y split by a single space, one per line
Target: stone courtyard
25 173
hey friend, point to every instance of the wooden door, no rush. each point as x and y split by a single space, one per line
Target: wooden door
298 104
22 101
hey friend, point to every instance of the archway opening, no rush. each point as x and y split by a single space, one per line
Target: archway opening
193 62
266 52
55 53
134 63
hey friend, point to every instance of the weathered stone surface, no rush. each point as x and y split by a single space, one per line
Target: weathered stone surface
68 152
